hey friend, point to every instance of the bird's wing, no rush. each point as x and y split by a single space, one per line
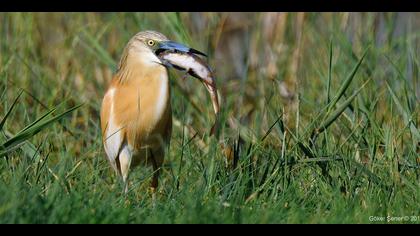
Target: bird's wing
112 137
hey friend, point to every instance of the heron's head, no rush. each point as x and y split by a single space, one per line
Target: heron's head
146 45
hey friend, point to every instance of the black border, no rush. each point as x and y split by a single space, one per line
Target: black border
208 5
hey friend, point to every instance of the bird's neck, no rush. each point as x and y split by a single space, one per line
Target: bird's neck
138 66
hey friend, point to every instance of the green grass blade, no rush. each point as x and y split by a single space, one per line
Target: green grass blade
271 128
326 123
329 73
373 177
35 128
38 120
348 80
28 149
3 121
4 151
320 159
405 114
306 150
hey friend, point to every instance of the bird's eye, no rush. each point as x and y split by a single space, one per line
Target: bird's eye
150 42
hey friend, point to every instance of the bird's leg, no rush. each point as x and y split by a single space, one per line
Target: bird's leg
125 161
155 181
118 167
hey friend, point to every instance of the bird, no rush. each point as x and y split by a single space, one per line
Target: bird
136 112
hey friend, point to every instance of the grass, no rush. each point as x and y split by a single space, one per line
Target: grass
322 120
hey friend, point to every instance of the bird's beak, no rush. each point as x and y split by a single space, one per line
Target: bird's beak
174 46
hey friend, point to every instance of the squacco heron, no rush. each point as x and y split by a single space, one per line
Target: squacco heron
136 116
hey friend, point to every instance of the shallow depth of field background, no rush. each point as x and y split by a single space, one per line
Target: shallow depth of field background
276 81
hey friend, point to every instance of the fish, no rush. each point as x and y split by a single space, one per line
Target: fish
198 68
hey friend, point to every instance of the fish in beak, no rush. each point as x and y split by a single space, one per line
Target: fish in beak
184 58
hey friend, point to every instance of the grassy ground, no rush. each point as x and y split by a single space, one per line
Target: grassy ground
321 110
